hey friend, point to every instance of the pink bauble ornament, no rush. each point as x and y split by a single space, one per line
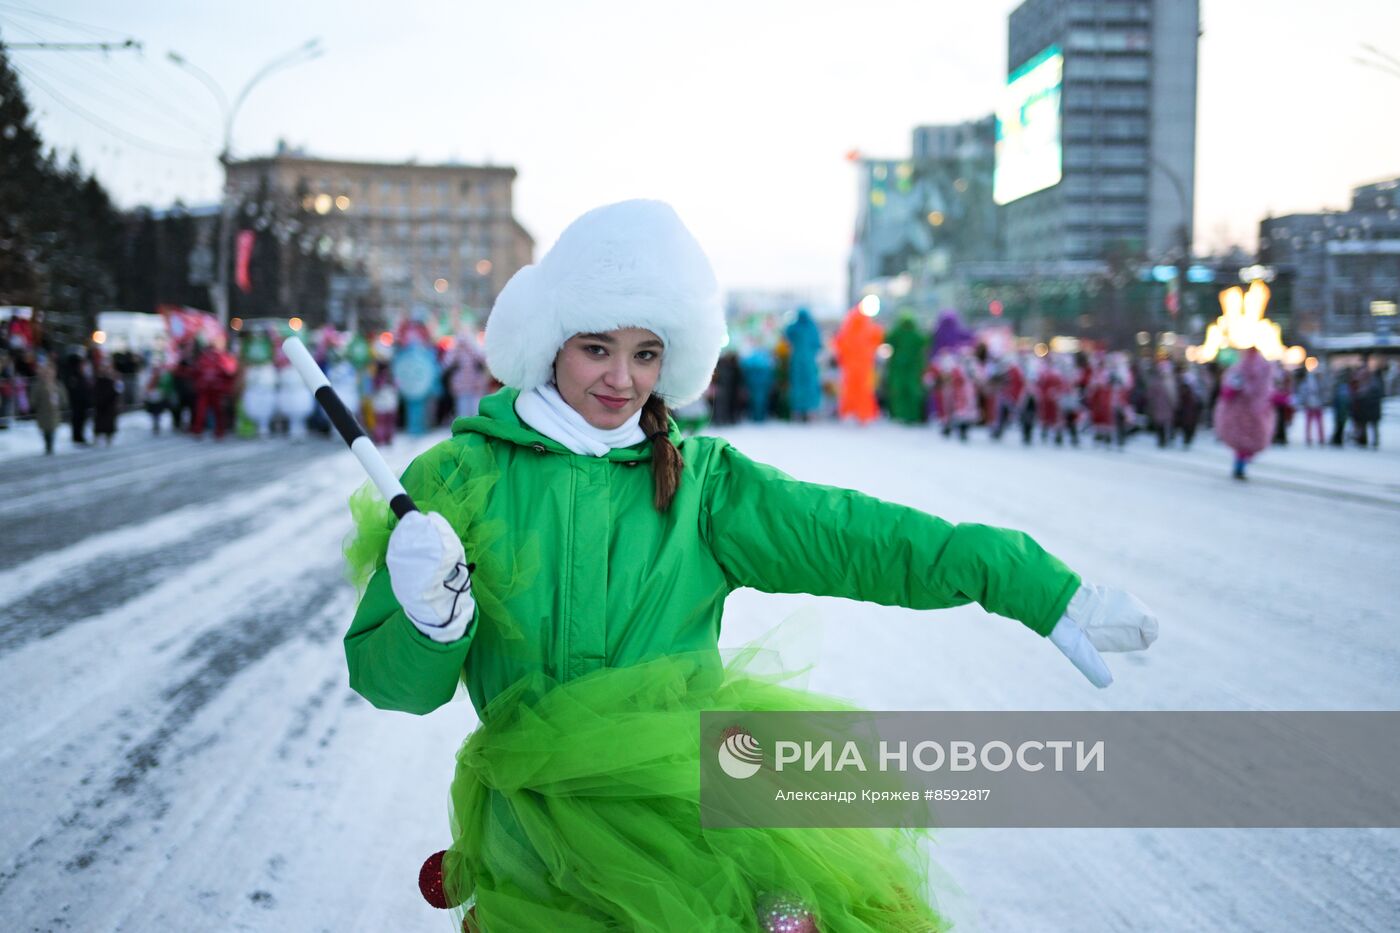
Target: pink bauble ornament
784 913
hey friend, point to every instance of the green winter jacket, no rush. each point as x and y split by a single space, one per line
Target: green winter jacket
577 570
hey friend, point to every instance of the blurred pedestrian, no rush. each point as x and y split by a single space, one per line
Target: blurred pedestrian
1162 401
1284 406
211 385
759 369
106 399
156 393
981 378
855 345
1028 411
1311 400
1009 388
417 378
1100 397
469 380
344 379
1244 415
728 390
79 397
126 363
183 378
9 388
49 399
1125 410
259 398
385 401
1190 402
782 374
933 388
1050 386
1367 406
960 407
904 372
1341 406
294 399
804 379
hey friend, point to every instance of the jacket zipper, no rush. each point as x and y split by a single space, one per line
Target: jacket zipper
567 602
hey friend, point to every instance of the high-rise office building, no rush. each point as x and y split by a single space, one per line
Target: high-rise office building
1096 130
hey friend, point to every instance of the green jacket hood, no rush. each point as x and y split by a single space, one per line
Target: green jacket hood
498 419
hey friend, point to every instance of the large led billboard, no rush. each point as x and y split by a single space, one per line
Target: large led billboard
1028 128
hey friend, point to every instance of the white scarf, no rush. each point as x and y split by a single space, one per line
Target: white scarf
545 410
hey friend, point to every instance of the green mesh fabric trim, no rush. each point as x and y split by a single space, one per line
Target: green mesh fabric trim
575 808
368 539
455 480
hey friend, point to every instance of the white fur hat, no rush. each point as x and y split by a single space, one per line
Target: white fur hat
631 264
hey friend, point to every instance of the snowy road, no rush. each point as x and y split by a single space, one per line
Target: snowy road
180 750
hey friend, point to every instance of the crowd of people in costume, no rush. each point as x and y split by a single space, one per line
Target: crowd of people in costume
198 383
957 381
786 368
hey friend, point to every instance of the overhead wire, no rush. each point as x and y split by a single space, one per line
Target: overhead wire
89 116
99 32
161 109
150 111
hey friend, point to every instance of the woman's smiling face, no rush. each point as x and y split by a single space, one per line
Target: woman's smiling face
607 377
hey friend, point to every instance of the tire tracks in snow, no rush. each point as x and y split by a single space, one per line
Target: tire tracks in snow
95 821
136 639
219 655
107 582
65 514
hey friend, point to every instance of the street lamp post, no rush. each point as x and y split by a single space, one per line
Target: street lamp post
302 53
1185 228
1184 262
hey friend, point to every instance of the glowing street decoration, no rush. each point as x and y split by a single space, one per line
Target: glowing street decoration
1242 324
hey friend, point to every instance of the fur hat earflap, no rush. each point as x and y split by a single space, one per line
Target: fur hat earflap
630 264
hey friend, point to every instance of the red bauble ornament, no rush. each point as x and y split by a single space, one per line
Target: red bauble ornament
430 882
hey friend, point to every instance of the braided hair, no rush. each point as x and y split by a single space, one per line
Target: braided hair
666 462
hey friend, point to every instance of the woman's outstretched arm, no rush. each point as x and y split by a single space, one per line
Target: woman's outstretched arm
777 534
774 533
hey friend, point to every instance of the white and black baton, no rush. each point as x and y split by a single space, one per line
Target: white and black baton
360 444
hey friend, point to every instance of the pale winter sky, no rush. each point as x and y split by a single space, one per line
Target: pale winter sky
738 113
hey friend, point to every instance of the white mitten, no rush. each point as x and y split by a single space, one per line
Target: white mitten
429 575
1099 618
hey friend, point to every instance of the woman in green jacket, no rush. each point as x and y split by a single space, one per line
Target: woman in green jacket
569 567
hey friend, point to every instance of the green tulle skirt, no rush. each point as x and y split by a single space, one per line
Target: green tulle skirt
576 809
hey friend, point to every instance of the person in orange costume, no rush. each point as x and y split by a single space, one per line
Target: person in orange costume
855 345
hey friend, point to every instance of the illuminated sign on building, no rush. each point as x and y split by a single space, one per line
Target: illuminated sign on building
1028 150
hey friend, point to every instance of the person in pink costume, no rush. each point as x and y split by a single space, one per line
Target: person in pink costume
1244 413
470 379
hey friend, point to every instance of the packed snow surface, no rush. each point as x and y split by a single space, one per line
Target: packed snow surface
180 749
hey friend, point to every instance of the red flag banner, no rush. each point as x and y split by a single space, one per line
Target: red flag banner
243 255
